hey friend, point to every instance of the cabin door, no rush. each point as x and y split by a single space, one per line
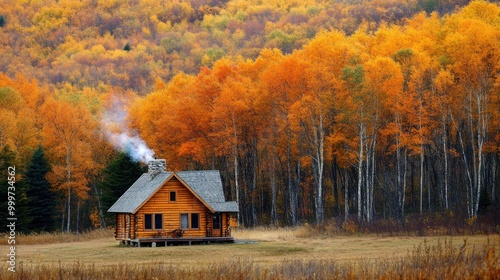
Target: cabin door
217 225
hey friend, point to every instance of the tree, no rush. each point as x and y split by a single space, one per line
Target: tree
118 176
7 159
66 134
41 200
472 46
127 47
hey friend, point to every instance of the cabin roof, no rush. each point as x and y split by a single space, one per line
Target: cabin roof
205 184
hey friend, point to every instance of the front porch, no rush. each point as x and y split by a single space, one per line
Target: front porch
169 241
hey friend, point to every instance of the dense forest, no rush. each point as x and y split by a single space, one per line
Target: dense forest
360 111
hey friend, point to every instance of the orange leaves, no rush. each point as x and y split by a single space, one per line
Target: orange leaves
67 132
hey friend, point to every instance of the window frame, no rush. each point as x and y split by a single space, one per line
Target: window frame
174 196
146 221
154 218
187 220
190 220
197 221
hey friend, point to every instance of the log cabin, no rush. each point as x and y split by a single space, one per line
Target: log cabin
172 207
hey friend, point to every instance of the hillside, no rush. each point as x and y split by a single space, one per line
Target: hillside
129 44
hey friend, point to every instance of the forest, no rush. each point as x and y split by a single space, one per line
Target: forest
361 111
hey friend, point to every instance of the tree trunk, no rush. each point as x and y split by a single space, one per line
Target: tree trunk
99 204
254 184
372 176
346 195
494 179
421 183
69 211
292 195
68 179
271 156
445 153
77 215
481 135
360 170
404 183
321 167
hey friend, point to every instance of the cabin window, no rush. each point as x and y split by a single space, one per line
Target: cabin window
158 221
195 220
148 221
173 196
149 218
217 221
190 221
184 221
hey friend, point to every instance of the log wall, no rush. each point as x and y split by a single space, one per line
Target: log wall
160 203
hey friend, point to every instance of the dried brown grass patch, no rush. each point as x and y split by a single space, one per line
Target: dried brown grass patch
58 237
442 260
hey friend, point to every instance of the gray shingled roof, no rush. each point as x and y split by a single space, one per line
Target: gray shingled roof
206 184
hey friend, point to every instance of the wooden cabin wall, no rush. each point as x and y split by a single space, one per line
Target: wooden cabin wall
119 230
125 226
160 203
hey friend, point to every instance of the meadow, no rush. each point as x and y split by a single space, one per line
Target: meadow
261 253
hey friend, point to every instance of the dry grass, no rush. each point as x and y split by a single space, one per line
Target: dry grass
58 237
268 233
279 254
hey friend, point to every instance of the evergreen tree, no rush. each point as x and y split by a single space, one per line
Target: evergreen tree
7 157
119 175
127 47
40 198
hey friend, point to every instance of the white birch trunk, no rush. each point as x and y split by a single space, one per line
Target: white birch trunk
481 135
272 162
318 141
235 162
445 153
68 177
360 169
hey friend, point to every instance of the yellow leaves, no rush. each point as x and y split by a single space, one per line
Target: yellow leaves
10 99
109 4
483 11
384 75
471 48
98 49
51 18
7 126
67 131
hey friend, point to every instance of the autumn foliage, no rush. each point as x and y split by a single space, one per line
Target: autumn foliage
310 110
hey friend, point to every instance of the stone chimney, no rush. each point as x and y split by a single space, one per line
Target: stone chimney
155 167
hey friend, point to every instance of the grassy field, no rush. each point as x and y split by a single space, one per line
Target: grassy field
277 254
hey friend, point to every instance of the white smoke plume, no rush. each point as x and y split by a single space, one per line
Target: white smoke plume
114 124
134 146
